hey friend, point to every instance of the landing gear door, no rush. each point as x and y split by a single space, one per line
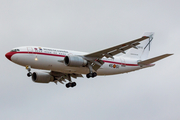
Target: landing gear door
30 50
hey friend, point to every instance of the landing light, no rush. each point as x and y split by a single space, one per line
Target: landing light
36 59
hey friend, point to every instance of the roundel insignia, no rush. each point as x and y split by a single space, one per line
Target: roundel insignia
40 48
114 66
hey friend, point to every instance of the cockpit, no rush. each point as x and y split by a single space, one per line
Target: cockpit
15 50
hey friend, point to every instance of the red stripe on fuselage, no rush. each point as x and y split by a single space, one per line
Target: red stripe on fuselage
48 54
120 63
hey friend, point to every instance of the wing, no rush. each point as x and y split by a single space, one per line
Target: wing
95 58
110 52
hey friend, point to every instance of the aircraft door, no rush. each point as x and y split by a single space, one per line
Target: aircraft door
30 50
123 62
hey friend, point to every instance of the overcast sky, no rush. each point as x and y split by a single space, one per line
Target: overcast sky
81 25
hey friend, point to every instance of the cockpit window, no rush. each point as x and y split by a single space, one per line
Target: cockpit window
15 50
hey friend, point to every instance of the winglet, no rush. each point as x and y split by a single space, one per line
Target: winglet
152 60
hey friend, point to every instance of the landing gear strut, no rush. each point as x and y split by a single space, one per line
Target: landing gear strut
29 74
91 73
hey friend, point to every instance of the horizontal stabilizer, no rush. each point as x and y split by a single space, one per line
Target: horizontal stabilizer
152 60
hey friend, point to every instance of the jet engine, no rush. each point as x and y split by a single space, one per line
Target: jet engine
75 61
42 77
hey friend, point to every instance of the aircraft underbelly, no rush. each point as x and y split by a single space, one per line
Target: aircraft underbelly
56 64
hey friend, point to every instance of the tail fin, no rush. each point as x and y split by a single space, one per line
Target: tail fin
142 51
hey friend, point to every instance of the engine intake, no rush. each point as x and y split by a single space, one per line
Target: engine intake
75 61
42 77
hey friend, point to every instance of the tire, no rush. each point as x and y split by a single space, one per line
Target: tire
94 74
29 74
87 75
67 85
73 84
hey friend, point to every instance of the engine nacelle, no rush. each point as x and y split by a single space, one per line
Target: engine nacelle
42 77
75 61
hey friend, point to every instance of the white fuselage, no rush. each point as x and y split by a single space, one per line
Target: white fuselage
52 59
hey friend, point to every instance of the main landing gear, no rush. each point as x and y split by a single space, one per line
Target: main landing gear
29 74
70 84
94 74
91 73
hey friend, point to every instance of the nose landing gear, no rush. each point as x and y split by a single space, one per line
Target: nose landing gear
29 74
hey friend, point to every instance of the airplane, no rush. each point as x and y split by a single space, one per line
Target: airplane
62 65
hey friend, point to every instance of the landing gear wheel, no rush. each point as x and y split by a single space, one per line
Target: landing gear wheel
68 85
73 84
28 68
87 75
94 74
29 74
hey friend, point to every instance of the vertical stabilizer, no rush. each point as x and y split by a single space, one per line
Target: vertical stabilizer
142 51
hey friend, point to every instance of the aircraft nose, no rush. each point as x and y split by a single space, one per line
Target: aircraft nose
8 55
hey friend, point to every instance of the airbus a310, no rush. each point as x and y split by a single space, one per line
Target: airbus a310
66 64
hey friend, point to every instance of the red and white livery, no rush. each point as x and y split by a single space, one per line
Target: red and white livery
65 64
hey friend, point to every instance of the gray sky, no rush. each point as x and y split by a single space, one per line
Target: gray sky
151 94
